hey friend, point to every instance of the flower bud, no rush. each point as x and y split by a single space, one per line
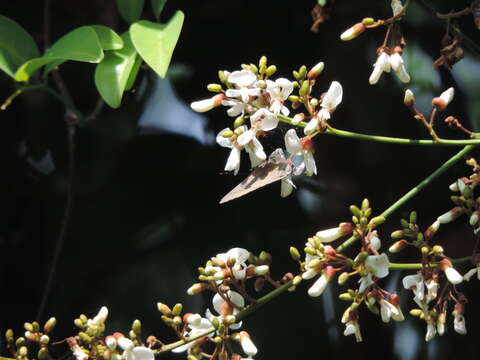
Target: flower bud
9 336
263 61
376 221
214 87
239 121
437 250
432 229
398 246
248 346
452 275
441 102
353 32
44 339
164 309
368 21
294 253
342 279
397 234
207 104
409 98
42 353
297 280
177 309
50 324
451 215
315 71
345 297
196 288
272 69
305 88
28 326
111 342
23 351
333 234
137 326
223 76
302 72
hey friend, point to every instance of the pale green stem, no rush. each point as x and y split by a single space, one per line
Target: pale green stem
418 266
29 88
385 139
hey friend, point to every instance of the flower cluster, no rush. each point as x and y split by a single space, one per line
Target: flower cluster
258 105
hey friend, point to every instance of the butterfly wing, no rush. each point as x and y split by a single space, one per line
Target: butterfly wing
264 174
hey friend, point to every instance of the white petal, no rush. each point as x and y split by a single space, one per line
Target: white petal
244 138
248 346
140 353
239 254
125 343
333 97
431 332
242 78
402 74
318 286
286 187
329 235
447 95
233 161
459 325
292 142
365 282
223 141
236 298
310 166
311 126
203 105
378 265
453 275
470 273
375 243
376 73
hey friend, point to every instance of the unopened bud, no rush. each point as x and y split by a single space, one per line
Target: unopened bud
164 309
368 21
262 62
305 88
409 98
85 337
416 312
297 280
345 297
294 253
28 326
437 250
20 341
397 234
298 118
376 221
441 102
353 32
137 327
177 320
9 336
413 217
365 204
44 339
272 69
223 76
78 323
214 87
315 71
23 351
398 246
42 353
177 309
239 121
360 258
342 279
196 288
50 324
451 215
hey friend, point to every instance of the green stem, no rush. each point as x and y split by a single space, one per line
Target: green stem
418 266
385 139
29 88
427 181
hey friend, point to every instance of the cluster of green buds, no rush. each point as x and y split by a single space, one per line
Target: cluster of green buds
22 347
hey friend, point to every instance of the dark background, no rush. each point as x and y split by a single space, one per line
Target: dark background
146 210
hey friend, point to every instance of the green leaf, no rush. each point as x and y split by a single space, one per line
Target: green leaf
130 10
155 42
81 44
157 7
16 46
108 38
134 72
112 74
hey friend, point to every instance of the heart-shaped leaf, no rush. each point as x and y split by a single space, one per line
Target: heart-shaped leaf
108 38
134 72
130 10
155 42
16 46
112 74
81 44
157 7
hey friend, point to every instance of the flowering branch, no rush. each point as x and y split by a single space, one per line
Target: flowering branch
385 139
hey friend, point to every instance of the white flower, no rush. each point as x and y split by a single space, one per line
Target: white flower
432 290
365 282
396 62
196 327
255 152
415 283
295 146
459 324
311 126
99 318
382 64
352 328
264 120
331 100
318 286
279 90
471 272
243 79
378 265
239 257
388 310
453 275
233 161
225 309
125 343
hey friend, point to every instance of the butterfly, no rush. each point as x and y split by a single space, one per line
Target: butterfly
277 167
